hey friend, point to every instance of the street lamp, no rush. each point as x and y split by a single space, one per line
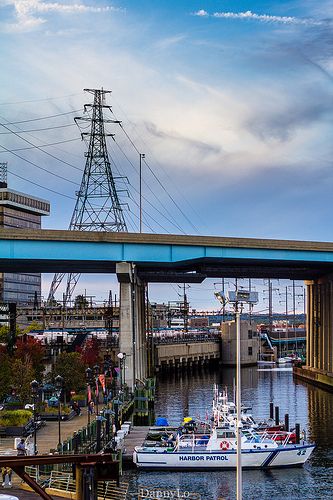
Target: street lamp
34 392
121 356
237 298
59 385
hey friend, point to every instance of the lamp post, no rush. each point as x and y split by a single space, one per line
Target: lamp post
34 393
88 379
121 356
142 157
96 373
59 385
237 298
106 370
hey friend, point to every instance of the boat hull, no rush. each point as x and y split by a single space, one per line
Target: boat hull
286 456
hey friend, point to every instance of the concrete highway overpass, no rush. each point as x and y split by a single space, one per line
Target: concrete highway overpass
175 258
163 258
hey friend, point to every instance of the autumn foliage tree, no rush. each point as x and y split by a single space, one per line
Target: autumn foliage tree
89 353
29 346
71 367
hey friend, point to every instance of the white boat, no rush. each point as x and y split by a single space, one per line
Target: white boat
285 360
266 360
225 411
219 451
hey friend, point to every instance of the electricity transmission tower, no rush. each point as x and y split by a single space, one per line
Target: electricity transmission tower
97 205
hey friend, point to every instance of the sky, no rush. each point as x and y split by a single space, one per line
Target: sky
230 101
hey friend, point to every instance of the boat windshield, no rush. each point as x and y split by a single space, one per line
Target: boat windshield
225 434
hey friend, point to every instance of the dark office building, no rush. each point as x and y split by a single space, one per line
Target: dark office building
19 210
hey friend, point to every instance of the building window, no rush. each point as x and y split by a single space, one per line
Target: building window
249 334
249 351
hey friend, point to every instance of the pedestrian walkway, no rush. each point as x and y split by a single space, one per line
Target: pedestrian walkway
21 494
48 436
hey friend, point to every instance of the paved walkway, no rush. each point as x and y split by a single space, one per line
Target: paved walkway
47 439
21 494
48 436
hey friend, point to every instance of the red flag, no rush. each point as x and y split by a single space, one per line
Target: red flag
101 379
96 390
89 393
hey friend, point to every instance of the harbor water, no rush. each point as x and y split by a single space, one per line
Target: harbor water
190 394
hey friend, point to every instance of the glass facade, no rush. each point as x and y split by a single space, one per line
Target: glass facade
18 210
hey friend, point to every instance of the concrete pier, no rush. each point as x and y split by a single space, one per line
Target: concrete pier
186 355
132 336
319 334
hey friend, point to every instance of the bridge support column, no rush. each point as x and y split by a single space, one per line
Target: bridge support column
132 335
319 335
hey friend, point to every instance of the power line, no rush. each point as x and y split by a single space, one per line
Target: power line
40 149
152 192
41 129
37 166
40 186
38 100
44 117
165 172
159 182
44 145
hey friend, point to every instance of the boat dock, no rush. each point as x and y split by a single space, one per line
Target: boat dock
135 438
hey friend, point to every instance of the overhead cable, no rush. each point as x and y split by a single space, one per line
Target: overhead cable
44 117
37 166
40 149
44 145
41 129
152 192
38 100
40 186
159 182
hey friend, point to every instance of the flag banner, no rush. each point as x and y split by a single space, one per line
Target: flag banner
89 393
101 379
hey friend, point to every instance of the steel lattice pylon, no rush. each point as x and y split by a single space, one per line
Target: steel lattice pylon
97 205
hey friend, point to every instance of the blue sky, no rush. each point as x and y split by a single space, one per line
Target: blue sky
231 101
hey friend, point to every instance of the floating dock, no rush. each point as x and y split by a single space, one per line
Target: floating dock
136 437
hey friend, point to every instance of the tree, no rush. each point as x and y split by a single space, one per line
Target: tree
34 325
89 353
4 332
71 367
22 374
26 345
5 375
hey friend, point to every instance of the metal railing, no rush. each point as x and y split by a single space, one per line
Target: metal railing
64 482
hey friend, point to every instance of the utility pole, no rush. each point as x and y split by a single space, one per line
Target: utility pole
185 310
142 157
97 205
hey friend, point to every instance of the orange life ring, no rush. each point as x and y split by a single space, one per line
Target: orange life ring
224 445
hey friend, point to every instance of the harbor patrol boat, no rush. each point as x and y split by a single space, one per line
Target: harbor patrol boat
219 451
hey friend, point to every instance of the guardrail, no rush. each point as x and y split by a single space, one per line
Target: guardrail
187 339
60 482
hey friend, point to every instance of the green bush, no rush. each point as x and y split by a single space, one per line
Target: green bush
79 397
51 410
15 418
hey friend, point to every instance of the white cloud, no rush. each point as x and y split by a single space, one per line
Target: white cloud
26 12
265 18
166 43
201 13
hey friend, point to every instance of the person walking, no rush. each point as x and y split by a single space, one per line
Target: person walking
6 471
21 449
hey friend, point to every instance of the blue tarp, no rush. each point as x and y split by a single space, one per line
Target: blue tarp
162 422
